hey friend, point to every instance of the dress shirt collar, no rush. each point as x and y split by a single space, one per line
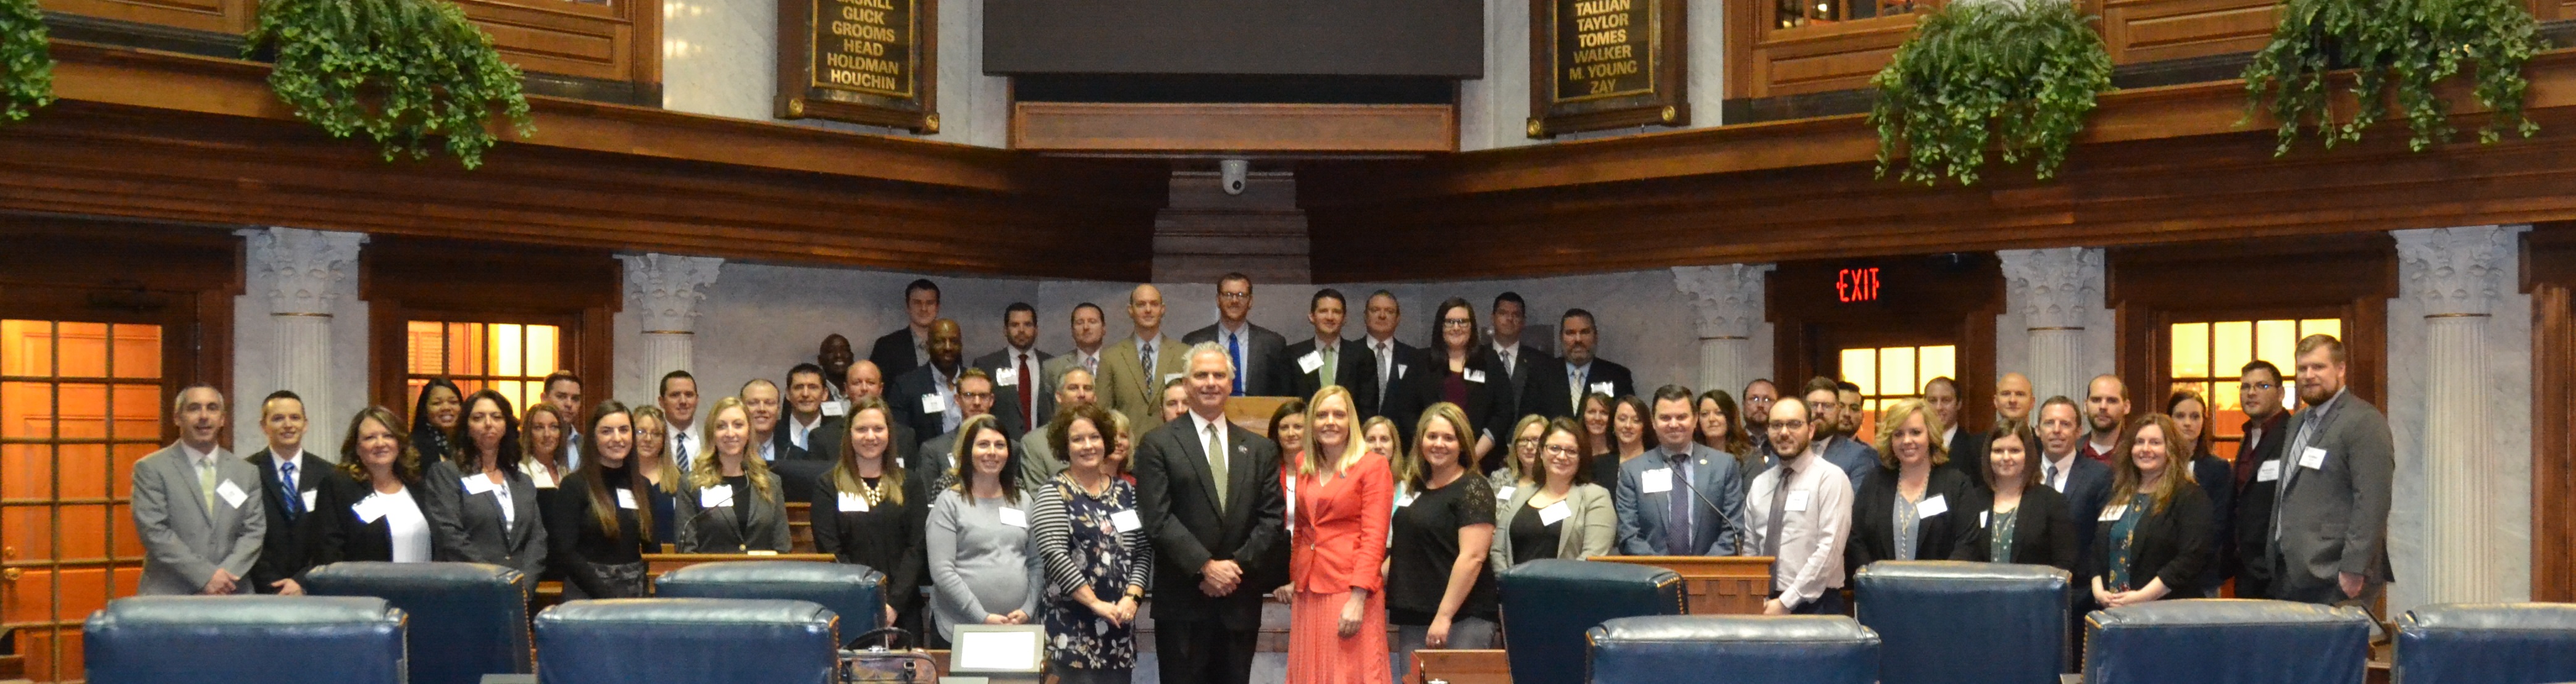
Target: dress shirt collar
1948 435
1234 329
2065 467
201 458
1328 344
1375 342
282 458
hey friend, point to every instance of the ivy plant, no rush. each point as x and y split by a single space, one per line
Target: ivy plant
2397 50
415 75
26 65
2022 73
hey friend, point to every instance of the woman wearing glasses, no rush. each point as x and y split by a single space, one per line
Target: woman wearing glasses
1467 375
1560 514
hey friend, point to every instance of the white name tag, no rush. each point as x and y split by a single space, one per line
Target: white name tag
1981 519
308 498
1602 388
1007 378
1472 375
1407 500
1126 521
2270 471
1931 506
369 510
1310 362
2313 459
1554 512
718 496
1655 481
1399 371
1015 517
1505 494
2113 513
232 494
835 408
626 499
476 484
1798 500
931 403
853 503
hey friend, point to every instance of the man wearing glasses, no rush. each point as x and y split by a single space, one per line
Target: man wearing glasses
2266 423
1799 514
1255 350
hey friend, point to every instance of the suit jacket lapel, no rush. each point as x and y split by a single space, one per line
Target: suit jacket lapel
1240 471
184 472
1194 445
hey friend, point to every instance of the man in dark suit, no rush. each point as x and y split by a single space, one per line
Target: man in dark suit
1021 368
908 348
1584 373
1394 361
1824 400
1255 350
2267 421
1311 365
2063 467
928 399
1681 498
808 438
1521 363
1756 403
289 480
975 397
2329 527
1967 448
1213 520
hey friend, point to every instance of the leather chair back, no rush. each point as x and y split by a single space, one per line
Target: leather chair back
1737 649
2226 641
245 640
467 619
1946 622
1547 605
2487 643
697 640
855 592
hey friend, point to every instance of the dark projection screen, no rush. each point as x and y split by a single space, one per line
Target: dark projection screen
1300 37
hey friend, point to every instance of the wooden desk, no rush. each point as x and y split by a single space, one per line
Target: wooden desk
1253 413
1461 667
800 527
1714 585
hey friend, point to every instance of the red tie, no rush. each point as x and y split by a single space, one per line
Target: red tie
1028 394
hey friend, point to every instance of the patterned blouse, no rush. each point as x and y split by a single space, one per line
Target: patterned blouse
1095 541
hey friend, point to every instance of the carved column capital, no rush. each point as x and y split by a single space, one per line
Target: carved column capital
1727 298
2055 287
305 268
664 289
2456 271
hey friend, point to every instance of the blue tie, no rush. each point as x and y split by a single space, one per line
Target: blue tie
1234 349
294 500
1677 527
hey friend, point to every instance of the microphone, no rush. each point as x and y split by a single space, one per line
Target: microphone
1729 520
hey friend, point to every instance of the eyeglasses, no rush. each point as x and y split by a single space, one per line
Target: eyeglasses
1234 296
1788 425
978 396
1457 322
1562 451
1526 440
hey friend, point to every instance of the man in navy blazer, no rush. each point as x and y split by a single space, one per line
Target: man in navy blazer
1303 365
2063 467
1678 479
1824 400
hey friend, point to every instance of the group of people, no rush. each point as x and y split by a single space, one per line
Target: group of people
1029 488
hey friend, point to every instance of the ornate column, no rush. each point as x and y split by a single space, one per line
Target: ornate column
663 291
307 271
1728 302
2457 275
2055 289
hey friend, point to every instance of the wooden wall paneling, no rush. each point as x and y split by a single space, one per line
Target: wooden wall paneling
1239 127
181 277
2549 275
561 37
2139 31
2349 276
218 16
402 277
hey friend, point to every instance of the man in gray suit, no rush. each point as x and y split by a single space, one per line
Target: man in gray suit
2330 525
197 506
1824 399
1038 460
1022 368
1255 350
1682 498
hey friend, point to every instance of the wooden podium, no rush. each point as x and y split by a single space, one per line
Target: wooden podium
1713 585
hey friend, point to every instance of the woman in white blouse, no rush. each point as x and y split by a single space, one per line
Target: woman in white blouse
375 512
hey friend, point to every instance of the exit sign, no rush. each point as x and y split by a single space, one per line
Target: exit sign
1856 285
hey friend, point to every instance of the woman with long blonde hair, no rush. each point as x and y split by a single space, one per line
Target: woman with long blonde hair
652 457
731 502
1344 490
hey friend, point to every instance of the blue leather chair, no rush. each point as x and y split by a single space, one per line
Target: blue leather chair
1547 605
2226 641
467 619
855 592
1737 649
245 640
1947 622
703 641
2487 643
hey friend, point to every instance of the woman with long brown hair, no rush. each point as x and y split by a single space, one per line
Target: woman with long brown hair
602 525
869 510
2191 415
489 511
2152 540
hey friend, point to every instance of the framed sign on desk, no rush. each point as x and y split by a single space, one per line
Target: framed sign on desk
1597 64
871 62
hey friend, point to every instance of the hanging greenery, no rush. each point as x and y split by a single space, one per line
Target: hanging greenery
26 66
406 72
2409 44
2026 72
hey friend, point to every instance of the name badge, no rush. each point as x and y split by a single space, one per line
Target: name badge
626 499
1126 521
1798 500
1399 371
1554 512
1472 375
1505 494
308 498
369 510
931 403
1981 519
851 503
2313 459
1655 481
1407 500
232 494
718 496
1310 362
1602 388
2271 471
1015 517
476 484
2113 513
1931 506
835 408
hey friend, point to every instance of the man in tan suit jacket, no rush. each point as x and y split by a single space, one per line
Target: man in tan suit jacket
1125 385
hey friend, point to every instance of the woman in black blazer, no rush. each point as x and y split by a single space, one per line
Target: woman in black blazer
602 521
2027 521
868 510
434 418
375 512
1908 491
2153 538
1459 368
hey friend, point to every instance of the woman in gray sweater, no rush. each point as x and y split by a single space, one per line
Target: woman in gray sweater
983 567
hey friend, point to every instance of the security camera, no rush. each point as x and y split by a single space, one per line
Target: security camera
1233 170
